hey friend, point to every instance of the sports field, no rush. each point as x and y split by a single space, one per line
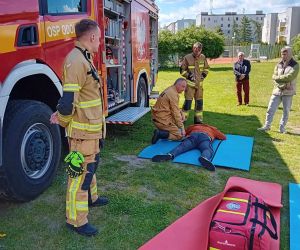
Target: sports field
146 197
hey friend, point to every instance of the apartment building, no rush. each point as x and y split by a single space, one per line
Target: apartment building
180 25
226 21
281 27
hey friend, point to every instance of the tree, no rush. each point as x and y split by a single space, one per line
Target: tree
166 47
213 43
296 46
257 31
236 32
245 30
219 30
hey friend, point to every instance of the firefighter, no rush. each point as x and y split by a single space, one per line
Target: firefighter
194 68
166 115
80 111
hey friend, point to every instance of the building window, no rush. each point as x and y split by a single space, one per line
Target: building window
66 6
221 18
209 19
228 25
228 18
228 32
237 18
261 18
221 24
204 19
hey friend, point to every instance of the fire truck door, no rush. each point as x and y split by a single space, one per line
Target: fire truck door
60 18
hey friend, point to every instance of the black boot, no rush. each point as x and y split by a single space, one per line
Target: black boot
160 158
207 164
101 201
159 134
86 230
197 120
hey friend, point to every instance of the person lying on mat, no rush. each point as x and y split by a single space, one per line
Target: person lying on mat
198 136
166 115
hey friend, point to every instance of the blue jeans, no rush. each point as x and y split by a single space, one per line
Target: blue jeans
196 140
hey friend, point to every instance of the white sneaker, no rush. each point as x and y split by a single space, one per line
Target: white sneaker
264 128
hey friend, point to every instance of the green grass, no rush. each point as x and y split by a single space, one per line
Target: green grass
146 197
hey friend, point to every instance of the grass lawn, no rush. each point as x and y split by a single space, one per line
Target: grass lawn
146 197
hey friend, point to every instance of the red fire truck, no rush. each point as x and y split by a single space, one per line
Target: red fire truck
35 37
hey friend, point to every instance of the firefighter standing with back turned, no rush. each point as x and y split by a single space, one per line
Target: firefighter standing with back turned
80 111
194 68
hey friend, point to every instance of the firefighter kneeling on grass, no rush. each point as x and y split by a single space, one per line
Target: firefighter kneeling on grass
166 115
80 111
194 68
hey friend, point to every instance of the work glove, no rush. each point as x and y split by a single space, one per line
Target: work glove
203 75
74 160
191 76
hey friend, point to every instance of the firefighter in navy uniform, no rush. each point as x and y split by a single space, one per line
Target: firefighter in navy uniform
80 111
194 68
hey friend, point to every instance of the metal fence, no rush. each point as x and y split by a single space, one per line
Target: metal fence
265 52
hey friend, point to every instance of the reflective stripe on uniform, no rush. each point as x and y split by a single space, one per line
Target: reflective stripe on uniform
64 118
89 104
183 73
198 113
71 87
80 206
94 189
86 126
74 186
191 84
191 66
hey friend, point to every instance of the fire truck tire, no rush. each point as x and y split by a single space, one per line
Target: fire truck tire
142 94
31 152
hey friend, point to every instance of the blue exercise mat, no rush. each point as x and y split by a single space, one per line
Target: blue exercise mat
234 152
294 216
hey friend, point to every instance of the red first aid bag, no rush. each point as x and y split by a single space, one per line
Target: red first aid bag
242 222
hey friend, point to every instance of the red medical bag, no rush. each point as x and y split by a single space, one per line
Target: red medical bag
242 221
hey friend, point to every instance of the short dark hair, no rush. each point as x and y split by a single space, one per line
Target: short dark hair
179 80
84 26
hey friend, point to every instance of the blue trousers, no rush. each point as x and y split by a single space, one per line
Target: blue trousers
196 140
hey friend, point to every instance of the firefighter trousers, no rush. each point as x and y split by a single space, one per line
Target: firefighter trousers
174 132
197 94
84 186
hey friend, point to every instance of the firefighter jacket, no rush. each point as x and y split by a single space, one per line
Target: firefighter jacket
166 110
80 108
243 67
285 77
194 69
211 131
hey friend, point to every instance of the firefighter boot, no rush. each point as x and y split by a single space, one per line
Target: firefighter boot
159 134
101 201
85 230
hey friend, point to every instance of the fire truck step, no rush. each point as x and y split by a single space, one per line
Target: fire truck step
154 94
127 116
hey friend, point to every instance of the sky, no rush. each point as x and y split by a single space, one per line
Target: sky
172 10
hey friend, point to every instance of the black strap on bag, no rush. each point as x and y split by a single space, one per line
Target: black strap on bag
273 222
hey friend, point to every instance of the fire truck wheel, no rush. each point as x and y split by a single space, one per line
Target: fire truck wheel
31 152
142 95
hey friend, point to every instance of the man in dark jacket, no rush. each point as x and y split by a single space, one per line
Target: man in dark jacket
241 70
